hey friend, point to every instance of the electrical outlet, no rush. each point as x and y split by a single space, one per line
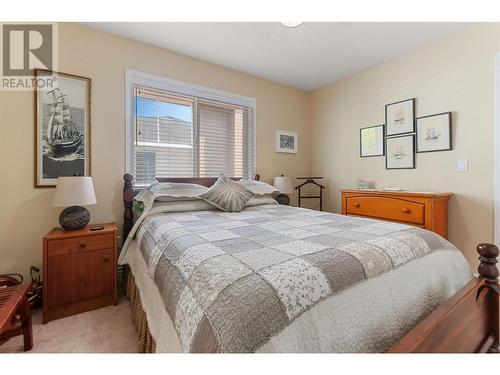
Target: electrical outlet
462 165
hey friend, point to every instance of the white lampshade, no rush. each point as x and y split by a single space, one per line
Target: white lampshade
74 191
283 184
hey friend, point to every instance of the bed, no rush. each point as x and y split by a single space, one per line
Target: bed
281 279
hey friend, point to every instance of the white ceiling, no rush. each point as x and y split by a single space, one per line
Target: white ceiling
307 57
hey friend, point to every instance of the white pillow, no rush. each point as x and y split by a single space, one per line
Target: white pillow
171 192
258 187
258 200
181 206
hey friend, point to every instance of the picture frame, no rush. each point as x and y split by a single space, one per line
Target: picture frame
400 117
400 152
287 141
371 141
434 133
62 128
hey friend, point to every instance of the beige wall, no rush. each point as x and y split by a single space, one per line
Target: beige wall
455 74
452 75
26 213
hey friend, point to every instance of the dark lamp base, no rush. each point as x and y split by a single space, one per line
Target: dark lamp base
74 218
283 199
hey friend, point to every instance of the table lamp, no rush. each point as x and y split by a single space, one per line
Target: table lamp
284 185
72 193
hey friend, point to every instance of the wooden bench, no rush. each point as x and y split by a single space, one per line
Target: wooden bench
13 302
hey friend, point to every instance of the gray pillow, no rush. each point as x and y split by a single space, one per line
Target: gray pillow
226 195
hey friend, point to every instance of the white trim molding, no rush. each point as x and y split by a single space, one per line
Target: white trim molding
134 77
496 154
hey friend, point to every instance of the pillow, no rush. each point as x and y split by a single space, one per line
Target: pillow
227 195
181 206
258 187
171 192
172 206
257 200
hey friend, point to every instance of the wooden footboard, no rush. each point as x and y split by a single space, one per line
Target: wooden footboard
468 322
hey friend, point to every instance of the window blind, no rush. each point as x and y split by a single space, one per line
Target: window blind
178 135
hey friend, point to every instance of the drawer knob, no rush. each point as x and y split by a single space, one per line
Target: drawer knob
357 205
406 211
106 258
83 245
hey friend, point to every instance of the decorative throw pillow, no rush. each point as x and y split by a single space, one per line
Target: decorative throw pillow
226 195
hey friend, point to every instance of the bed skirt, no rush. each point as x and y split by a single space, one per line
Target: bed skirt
145 342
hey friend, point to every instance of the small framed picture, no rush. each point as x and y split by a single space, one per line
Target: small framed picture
400 117
400 152
371 141
286 141
434 133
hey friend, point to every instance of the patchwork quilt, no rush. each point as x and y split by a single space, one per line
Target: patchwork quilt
231 281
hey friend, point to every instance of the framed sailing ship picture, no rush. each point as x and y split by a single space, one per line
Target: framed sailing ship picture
400 117
62 128
371 141
400 152
434 133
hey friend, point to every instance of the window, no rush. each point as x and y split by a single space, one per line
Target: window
181 130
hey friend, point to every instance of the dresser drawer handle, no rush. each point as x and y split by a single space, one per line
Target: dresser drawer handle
406 210
357 205
106 258
83 245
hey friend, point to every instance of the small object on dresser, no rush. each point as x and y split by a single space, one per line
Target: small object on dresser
79 271
96 227
284 185
362 184
74 191
392 188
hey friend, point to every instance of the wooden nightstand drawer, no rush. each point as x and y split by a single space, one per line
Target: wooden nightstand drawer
78 244
79 271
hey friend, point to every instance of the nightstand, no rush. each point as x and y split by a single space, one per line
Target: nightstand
79 270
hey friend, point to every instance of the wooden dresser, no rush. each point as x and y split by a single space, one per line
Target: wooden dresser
423 209
79 271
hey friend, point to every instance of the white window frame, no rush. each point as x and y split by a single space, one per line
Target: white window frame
496 154
134 77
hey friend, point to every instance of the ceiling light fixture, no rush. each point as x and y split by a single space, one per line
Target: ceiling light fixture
292 23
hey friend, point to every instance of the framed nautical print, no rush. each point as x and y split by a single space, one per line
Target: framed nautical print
371 141
434 133
286 141
400 152
62 127
400 117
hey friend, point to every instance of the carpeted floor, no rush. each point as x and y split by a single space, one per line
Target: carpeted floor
106 330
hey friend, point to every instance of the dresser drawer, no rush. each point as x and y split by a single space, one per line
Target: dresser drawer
80 244
386 208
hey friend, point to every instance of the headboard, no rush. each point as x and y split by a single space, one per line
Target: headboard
129 192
